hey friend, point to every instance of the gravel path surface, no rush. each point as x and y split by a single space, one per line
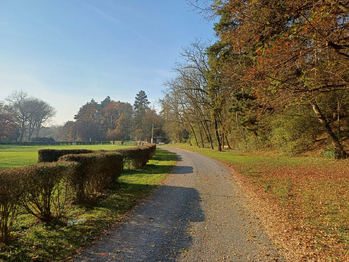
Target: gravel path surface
199 214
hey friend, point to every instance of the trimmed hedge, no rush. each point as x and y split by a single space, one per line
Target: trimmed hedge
11 196
52 155
152 148
96 172
47 189
40 189
144 155
133 157
136 157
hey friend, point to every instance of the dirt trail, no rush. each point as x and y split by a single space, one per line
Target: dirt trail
199 214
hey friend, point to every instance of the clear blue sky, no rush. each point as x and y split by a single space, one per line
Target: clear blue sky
67 52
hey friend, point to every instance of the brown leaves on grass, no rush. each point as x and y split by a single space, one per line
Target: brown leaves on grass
304 206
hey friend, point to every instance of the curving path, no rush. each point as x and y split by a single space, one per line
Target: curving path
199 214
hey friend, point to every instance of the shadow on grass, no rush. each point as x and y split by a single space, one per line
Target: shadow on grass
164 155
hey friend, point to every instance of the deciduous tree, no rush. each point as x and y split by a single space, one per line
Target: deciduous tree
31 113
285 51
8 125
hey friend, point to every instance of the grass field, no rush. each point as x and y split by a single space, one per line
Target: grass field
313 193
35 241
16 156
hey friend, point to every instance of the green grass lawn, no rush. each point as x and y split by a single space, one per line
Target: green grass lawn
37 241
16 156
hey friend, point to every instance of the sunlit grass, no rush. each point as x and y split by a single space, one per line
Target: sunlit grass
17 156
55 242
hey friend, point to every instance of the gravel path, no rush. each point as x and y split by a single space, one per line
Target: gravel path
199 214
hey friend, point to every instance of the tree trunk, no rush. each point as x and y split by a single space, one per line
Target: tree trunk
30 133
217 135
205 132
22 130
226 139
202 140
37 131
338 116
196 141
340 153
240 129
209 135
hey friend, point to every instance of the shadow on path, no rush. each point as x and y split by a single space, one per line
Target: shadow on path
156 230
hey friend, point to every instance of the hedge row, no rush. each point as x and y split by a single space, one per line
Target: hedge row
52 155
45 189
134 157
152 148
41 189
137 157
96 172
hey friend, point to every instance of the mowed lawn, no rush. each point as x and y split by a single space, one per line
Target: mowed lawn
16 156
58 241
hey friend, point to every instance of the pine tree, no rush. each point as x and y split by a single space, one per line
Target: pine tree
141 101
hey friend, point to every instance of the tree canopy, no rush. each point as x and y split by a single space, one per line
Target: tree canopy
141 101
30 113
273 59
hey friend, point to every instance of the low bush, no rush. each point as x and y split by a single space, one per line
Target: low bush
294 131
96 172
152 148
11 196
130 157
52 155
137 157
47 191
145 155
40 189
329 153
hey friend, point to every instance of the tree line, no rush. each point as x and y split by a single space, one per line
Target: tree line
22 117
276 77
25 118
114 120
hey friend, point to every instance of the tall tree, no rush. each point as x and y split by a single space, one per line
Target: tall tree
140 105
286 51
106 102
68 132
8 125
141 101
31 113
200 102
39 113
117 120
88 124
